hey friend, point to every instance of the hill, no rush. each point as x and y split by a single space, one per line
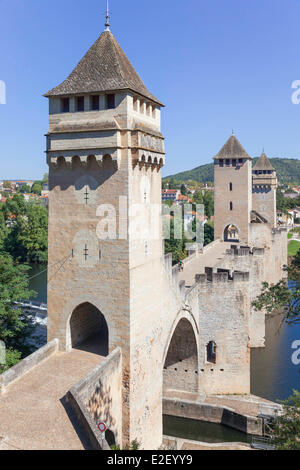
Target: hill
288 171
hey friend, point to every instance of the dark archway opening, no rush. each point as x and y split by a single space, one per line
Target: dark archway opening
181 365
231 234
110 438
89 330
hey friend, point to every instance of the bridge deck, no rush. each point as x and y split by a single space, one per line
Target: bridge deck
209 259
32 415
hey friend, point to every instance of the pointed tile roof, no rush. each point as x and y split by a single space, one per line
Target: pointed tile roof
232 149
105 67
263 163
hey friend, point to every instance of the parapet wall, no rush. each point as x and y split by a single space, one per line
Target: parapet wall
98 398
27 364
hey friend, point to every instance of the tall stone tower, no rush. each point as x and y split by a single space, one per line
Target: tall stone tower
233 192
105 152
264 189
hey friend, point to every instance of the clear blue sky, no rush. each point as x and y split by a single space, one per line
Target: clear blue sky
216 64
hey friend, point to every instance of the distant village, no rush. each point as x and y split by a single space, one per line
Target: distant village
34 191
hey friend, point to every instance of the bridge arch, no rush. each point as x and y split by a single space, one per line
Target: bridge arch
181 356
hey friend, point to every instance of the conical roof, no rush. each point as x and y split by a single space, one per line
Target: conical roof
105 67
232 149
263 163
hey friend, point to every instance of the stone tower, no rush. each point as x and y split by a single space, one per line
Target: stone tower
233 192
105 152
264 189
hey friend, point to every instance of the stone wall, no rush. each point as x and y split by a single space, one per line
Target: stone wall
212 414
224 308
98 398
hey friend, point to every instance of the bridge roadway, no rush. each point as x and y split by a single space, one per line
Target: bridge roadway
197 266
32 412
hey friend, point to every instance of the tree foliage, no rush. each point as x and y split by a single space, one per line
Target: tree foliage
281 296
24 229
286 433
15 326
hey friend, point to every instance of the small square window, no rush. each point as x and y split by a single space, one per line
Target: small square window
65 105
110 101
80 103
95 103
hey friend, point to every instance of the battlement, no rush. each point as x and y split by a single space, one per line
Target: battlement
222 276
245 251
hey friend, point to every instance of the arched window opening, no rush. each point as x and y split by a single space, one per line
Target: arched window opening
211 352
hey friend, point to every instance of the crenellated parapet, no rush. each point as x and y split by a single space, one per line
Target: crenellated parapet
245 251
221 277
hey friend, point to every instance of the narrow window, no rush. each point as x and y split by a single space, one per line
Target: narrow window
230 186
154 111
142 106
135 101
221 162
227 162
95 103
211 352
240 161
234 162
110 101
148 109
231 206
80 103
65 105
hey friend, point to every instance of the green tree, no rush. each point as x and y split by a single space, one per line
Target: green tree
208 201
32 233
286 433
209 234
7 185
280 297
15 327
172 244
14 206
183 190
25 189
37 188
3 231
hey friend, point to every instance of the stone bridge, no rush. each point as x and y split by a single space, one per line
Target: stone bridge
54 399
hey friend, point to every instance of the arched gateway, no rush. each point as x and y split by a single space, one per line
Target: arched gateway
89 330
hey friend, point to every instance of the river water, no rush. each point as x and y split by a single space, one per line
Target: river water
273 375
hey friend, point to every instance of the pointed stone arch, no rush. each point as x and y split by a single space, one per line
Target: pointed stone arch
181 357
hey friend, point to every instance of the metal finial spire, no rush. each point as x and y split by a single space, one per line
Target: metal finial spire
107 24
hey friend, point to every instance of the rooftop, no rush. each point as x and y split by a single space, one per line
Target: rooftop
105 67
263 163
233 149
